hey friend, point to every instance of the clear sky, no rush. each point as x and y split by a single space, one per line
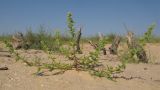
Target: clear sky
107 16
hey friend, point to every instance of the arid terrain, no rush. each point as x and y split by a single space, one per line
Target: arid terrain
19 76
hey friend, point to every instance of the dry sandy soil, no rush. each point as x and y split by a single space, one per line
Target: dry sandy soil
20 76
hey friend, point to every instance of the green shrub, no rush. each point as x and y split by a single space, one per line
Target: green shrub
131 55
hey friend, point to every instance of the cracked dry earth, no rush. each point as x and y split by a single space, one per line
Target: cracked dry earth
19 76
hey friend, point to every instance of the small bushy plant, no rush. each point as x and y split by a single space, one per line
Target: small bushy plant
148 35
131 55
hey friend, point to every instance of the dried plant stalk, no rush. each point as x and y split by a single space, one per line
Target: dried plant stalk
114 47
3 68
18 40
95 46
78 49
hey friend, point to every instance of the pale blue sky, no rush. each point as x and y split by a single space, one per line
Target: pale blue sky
105 16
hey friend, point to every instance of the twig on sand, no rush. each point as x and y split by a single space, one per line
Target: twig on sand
3 68
128 78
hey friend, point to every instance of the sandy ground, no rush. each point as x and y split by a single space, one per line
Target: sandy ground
20 76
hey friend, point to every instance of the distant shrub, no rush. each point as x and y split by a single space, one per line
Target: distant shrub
5 37
34 39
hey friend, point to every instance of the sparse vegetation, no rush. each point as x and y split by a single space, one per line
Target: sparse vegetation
70 48
45 41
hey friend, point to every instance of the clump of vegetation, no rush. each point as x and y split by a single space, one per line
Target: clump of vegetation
148 35
136 52
91 61
111 37
5 37
109 71
12 51
33 39
87 63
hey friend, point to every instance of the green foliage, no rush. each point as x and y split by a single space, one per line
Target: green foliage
90 61
131 55
102 43
147 37
20 58
35 62
72 43
70 24
155 39
69 51
71 28
12 51
5 38
30 36
34 39
57 65
47 50
16 54
110 37
58 42
108 73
